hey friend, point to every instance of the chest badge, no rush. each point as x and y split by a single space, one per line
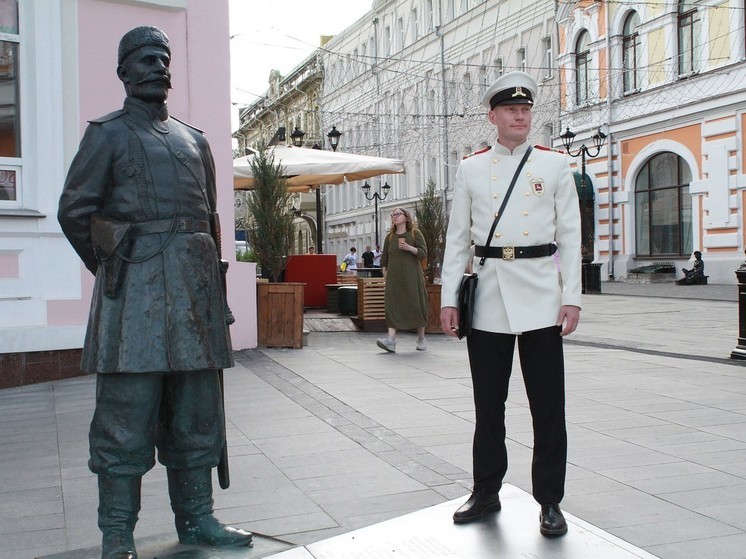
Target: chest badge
537 187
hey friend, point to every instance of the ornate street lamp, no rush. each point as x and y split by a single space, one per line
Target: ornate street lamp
376 197
333 136
297 137
586 199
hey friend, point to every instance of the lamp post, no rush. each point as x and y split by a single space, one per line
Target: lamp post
376 197
586 202
297 137
333 136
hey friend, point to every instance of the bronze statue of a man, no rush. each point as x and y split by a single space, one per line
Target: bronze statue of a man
136 207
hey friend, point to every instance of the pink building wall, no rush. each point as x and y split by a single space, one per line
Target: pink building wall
199 37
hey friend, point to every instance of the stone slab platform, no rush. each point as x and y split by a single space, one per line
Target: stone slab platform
165 547
512 533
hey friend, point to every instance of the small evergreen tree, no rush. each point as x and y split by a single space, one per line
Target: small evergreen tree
432 222
271 229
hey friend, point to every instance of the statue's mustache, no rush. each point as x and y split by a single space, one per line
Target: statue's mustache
159 79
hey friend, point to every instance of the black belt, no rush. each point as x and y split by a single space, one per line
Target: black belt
511 253
182 225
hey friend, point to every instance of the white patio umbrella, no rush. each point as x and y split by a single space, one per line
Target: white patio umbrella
307 168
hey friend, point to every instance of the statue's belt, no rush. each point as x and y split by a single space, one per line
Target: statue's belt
181 225
511 253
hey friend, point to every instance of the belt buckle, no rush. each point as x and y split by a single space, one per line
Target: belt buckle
508 253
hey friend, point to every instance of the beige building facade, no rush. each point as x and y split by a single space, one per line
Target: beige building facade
666 81
290 104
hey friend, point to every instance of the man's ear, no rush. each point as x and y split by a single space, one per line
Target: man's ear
490 116
122 74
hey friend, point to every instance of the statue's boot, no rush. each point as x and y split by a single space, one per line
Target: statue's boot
191 501
119 504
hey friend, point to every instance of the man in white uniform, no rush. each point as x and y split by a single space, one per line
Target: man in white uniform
518 296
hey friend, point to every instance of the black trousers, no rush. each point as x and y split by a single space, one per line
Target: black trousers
542 363
180 414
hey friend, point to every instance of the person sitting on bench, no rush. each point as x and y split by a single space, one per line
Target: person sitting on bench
697 274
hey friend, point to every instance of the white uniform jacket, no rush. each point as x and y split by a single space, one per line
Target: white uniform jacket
514 296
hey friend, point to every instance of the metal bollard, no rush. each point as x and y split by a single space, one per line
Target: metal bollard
740 351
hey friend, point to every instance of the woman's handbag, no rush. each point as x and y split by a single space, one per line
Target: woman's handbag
343 267
467 291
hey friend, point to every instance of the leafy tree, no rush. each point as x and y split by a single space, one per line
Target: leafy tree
271 228
432 222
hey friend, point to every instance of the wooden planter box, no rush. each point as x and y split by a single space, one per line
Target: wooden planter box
280 314
433 302
371 308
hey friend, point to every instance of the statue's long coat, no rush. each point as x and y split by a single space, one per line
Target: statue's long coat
138 165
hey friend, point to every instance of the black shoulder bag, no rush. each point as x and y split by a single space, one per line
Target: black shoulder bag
468 289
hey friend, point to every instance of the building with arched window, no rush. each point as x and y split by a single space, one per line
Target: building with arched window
666 83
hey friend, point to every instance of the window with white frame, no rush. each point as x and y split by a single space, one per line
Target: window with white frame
547 134
387 41
630 52
521 59
483 85
431 103
468 92
499 67
582 60
401 33
415 25
10 113
548 57
688 35
429 15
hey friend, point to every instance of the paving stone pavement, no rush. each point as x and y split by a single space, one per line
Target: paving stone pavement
340 435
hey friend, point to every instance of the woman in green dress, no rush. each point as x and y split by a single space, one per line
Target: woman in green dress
406 298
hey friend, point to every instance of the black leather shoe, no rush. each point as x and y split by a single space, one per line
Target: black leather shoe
479 504
551 521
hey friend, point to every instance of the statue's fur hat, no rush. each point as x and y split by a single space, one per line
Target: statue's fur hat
143 36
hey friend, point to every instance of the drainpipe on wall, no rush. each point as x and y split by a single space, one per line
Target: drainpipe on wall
609 147
444 105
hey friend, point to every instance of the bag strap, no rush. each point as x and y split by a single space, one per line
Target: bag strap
505 200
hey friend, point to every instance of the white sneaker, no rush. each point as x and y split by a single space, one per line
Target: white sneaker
421 344
387 344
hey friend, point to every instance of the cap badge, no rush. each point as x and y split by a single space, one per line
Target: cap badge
537 187
518 92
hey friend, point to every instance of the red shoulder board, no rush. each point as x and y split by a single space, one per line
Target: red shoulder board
483 150
545 148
